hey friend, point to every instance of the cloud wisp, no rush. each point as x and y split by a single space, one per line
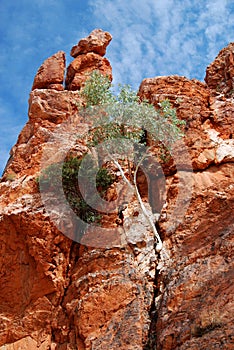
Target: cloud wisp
164 37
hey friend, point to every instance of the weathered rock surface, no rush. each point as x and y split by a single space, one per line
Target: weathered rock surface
78 70
61 295
97 42
195 301
220 73
88 54
209 127
51 73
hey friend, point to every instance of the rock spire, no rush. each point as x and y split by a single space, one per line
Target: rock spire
88 56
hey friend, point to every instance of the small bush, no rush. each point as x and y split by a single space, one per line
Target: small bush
51 177
96 90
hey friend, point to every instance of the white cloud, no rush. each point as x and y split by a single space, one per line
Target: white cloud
163 37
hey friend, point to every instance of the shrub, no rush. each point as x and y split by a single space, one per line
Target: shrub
51 177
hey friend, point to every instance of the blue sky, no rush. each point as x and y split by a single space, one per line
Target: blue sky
150 38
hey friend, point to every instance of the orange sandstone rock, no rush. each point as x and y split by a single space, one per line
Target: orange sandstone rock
208 128
51 73
220 73
88 57
95 42
78 70
195 284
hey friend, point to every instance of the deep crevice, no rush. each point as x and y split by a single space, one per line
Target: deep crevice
152 334
153 313
73 258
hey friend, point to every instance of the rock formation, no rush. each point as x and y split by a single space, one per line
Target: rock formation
88 54
61 295
194 301
96 42
220 73
51 73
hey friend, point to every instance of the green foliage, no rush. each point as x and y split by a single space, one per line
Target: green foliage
50 177
104 179
96 90
125 116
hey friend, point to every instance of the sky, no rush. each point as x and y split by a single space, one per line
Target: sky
150 38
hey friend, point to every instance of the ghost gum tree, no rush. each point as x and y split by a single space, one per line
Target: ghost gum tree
120 123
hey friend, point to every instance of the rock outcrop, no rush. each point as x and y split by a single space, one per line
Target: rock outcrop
220 73
59 294
51 73
195 284
88 54
96 42
82 65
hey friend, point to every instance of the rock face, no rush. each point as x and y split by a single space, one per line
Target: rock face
51 73
209 127
88 54
195 283
220 73
62 295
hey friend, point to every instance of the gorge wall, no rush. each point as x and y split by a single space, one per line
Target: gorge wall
59 294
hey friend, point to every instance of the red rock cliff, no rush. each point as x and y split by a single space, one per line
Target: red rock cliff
58 294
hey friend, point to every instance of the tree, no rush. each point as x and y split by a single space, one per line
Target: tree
120 123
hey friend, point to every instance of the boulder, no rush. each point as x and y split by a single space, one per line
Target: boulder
96 42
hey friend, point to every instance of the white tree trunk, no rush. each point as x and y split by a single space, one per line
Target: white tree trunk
142 206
